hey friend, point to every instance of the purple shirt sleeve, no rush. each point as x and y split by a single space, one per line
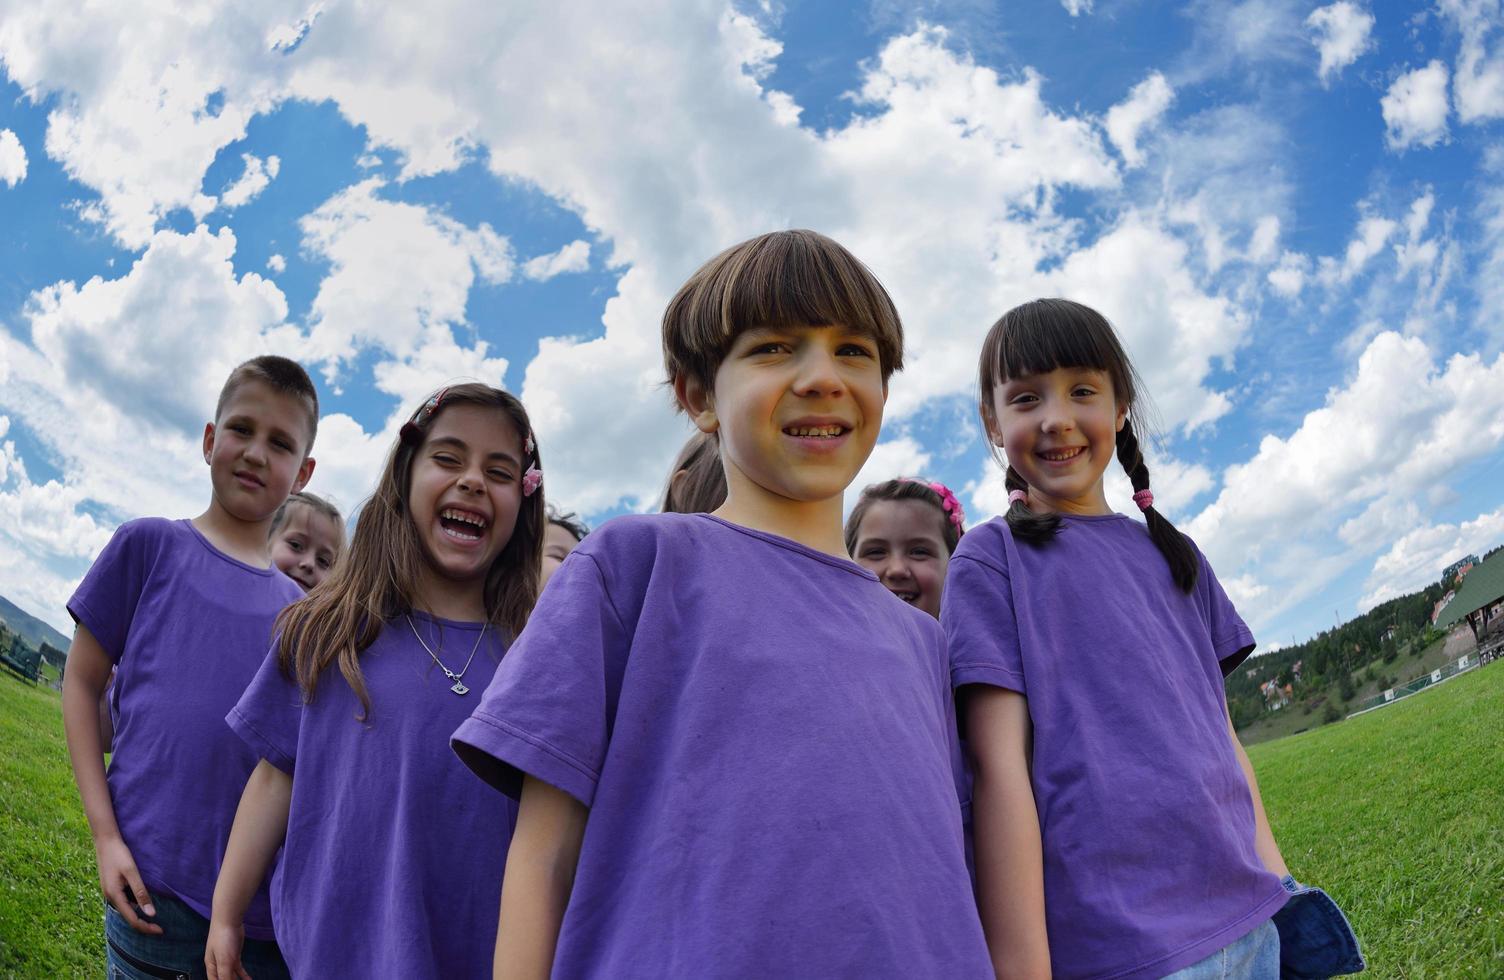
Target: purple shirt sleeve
547 711
105 601
1232 640
980 628
269 715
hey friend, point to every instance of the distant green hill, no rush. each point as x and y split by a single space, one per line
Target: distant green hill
34 630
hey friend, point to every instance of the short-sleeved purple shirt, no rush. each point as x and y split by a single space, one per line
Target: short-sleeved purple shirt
765 739
394 852
187 626
1147 822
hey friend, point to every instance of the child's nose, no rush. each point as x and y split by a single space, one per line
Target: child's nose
818 374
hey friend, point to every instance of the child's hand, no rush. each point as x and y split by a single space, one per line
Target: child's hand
121 884
222 951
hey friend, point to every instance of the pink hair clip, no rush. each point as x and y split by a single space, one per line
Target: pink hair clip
527 446
1018 497
1144 499
531 481
954 512
412 429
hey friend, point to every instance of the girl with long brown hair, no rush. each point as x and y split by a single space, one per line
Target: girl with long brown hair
391 850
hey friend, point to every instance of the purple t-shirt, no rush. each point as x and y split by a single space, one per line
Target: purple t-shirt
1147 823
187 626
394 852
764 737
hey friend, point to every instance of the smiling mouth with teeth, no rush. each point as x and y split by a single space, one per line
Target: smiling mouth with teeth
1061 455
815 431
461 523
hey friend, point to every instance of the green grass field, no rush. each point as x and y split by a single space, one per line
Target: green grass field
50 910
1398 813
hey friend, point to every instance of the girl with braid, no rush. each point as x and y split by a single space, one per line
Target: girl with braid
1117 834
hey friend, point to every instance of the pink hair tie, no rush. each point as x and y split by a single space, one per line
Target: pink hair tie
1018 497
1144 499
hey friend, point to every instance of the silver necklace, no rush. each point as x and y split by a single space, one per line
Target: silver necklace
458 687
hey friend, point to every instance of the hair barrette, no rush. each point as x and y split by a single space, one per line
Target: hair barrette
531 481
412 429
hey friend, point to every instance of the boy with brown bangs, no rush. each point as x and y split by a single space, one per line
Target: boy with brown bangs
184 610
755 733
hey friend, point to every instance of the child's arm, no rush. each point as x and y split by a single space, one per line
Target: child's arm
1009 856
539 875
259 829
83 682
1263 836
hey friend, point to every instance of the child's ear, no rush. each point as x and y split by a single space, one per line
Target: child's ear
1122 417
698 403
305 473
208 440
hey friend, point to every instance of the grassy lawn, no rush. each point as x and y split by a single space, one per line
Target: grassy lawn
1399 814
51 919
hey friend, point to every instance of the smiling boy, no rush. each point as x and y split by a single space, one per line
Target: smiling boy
184 611
733 747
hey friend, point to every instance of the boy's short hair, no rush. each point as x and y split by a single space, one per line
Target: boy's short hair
282 375
783 278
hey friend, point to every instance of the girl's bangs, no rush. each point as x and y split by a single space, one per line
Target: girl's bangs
1031 345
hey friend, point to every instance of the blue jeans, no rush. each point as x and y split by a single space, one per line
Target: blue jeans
1254 957
1316 940
178 953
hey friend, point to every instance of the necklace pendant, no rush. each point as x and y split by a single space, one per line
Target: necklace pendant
459 687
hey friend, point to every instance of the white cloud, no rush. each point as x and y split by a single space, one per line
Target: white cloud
12 159
1340 32
276 263
396 270
1145 104
1289 277
257 175
574 257
1372 233
1415 108
891 458
1418 558
1076 7
1478 83
1365 448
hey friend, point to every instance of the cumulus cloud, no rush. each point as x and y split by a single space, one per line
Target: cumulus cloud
1478 84
397 269
1363 445
12 159
574 257
253 180
1415 108
1418 557
1340 32
1145 104
891 458
1372 233
1289 277
276 263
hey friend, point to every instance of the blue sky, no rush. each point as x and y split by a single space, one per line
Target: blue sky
1291 211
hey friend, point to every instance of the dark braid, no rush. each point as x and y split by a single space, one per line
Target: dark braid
1027 525
1176 547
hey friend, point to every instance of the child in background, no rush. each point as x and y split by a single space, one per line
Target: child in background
185 611
391 850
904 531
562 535
758 733
308 536
697 482
1117 835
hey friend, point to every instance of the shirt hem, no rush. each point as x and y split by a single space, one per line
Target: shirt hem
253 930
988 674
1200 949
